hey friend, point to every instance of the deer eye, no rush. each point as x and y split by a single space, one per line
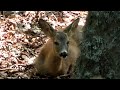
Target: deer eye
56 43
67 42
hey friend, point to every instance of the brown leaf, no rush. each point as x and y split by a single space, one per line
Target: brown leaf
60 19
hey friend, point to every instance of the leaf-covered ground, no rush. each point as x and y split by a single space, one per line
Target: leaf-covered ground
21 39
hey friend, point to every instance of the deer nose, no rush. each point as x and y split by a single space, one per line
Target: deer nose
63 54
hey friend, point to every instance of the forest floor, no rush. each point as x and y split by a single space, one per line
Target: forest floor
21 39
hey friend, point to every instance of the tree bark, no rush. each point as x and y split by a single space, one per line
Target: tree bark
100 48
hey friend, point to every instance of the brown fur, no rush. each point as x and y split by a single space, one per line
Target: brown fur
48 61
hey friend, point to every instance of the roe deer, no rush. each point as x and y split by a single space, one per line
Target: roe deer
60 52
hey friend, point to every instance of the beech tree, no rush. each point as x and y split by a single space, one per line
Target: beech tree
100 47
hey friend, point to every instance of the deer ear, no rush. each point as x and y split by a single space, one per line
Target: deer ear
72 27
46 28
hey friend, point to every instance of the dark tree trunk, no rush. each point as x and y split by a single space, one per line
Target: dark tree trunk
100 48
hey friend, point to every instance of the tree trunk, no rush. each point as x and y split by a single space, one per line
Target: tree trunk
100 48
